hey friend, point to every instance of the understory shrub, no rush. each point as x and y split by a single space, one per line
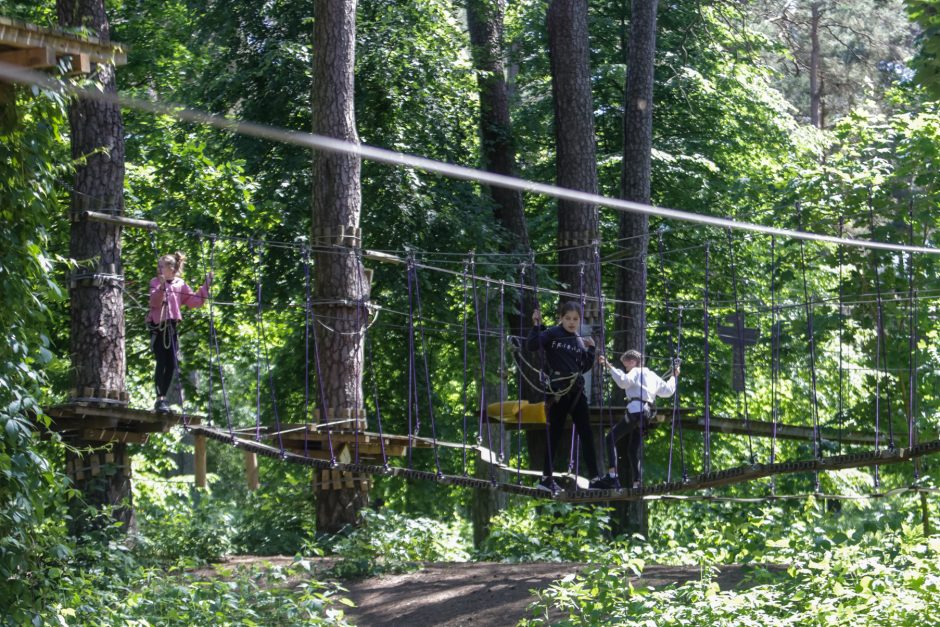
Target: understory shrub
534 531
391 542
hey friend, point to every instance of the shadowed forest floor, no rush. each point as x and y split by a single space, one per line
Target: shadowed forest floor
471 593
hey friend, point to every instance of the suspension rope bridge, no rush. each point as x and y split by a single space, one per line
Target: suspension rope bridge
326 448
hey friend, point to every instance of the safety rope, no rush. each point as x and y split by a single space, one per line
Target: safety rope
739 319
811 341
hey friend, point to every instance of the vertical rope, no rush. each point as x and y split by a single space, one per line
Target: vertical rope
359 370
378 408
519 386
878 347
214 346
841 334
912 334
466 406
503 379
412 408
676 420
706 455
427 375
774 358
307 307
602 351
739 327
573 457
811 341
263 343
256 259
321 393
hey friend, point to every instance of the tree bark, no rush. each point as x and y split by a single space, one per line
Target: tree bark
485 23
576 161
97 306
339 281
634 227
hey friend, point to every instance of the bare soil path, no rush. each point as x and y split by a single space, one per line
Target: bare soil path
473 593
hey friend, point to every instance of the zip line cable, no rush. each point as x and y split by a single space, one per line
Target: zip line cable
391 157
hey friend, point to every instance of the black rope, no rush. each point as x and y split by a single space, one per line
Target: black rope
811 341
775 332
739 328
706 455
427 373
466 405
912 335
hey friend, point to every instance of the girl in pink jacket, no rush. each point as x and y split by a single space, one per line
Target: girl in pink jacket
167 293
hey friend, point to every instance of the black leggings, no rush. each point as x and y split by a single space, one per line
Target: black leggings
573 403
631 427
163 341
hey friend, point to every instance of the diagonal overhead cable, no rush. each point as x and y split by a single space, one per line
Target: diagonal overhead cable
391 157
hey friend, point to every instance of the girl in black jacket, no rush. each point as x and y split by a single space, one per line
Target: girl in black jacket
568 356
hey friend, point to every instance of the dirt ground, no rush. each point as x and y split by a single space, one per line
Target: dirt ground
476 593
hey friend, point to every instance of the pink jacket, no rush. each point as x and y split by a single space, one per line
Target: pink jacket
166 305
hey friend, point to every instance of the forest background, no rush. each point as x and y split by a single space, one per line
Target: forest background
739 130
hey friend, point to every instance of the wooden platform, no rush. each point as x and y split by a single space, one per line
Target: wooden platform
33 47
108 424
347 445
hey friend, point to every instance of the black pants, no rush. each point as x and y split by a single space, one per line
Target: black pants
573 403
631 427
163 343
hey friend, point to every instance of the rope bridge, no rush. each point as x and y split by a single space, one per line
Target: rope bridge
327 447
339 443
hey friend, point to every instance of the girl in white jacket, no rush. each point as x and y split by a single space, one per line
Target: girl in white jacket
642 386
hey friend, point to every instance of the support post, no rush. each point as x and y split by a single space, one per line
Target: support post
251 470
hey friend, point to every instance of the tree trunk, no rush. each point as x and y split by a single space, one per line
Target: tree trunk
485 22
634 227
815 80
575 162
339 280
97 306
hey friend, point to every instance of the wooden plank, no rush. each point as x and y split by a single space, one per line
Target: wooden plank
251 470
78 64
110 435
39 58
107 218
16 34
199 458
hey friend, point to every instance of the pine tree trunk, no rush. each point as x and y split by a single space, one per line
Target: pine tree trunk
634 227
485 22
339 280
97 306
576 162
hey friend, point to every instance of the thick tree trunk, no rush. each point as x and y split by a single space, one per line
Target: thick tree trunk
634 228
339 280
485 22
575 162
97 306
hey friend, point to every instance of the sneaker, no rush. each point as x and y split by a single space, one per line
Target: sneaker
607 482
161 406
548 484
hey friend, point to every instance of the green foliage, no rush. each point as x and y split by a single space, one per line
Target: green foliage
389 542
274 520
179 523
547 531
896 583
148 595
32 491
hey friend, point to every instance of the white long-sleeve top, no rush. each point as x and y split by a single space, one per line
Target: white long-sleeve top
642 383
